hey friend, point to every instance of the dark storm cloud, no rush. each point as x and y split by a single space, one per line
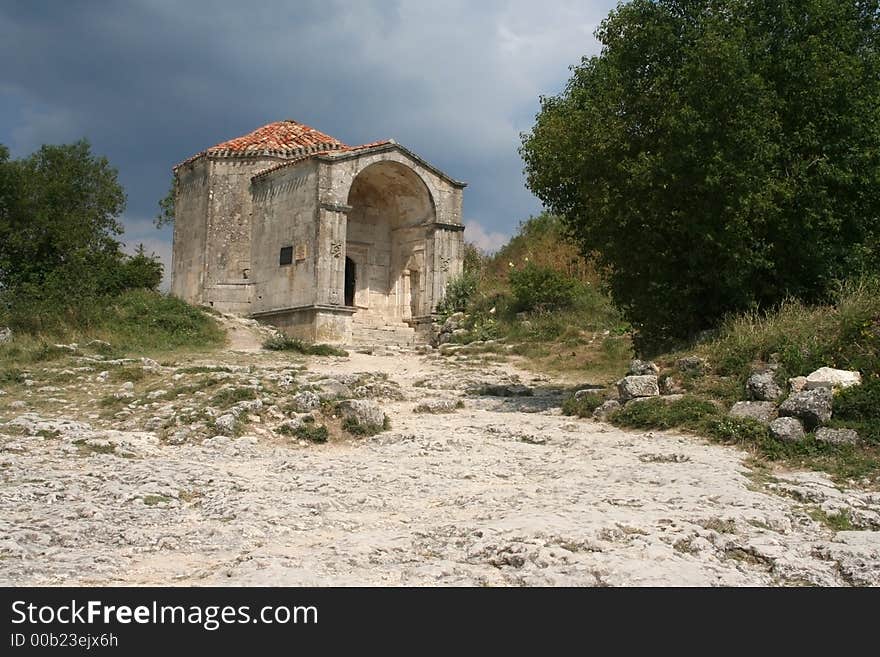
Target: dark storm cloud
150 83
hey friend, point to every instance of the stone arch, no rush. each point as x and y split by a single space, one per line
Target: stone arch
385 236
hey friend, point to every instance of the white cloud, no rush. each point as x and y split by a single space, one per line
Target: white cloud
488 241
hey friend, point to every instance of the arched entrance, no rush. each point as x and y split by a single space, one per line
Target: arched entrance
390 206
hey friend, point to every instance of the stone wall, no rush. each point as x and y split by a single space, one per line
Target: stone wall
285 213
190 232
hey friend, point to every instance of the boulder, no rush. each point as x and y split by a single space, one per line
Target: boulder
640 367
787 429
332 389
813 407
225 424
433 406
837 436
796 384
362 411
762 387
762 411
828 377
305 401
5 334
602 412
644 385
585 392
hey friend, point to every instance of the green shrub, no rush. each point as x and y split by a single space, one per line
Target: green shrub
656 413
582 406
541 289
858 407
459 292
356 428
308 430
282 342
230 396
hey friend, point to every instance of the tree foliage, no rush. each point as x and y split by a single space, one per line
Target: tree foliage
718 155
59 212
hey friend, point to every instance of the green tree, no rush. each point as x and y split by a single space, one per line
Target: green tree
165 217
718 155
59 212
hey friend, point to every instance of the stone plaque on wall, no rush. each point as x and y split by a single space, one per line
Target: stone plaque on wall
302 251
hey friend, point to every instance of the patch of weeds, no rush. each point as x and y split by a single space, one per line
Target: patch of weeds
49 433
719 525
189 496
356 428
308 430
204 369
153 500
685 546
85 448
582 406
128 374
281 342
229 396
688 412
188 389
11 375
839 522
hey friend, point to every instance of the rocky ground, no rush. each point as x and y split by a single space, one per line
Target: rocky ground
116 471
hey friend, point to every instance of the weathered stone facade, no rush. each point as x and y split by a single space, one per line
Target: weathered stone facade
329 242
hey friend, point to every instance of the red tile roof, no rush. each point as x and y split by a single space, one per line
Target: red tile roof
278 136
279 139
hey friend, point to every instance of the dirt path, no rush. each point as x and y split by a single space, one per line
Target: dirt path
505 491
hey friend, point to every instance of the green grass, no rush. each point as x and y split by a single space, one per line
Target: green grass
281 342
153 500
308 430
229 396
584 406
845 335
134 322
842 462
688 412
839 522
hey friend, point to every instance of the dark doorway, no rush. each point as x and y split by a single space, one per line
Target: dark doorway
350 280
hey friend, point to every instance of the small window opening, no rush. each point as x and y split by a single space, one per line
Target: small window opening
286 256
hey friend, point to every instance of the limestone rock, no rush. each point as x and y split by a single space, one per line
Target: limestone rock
828 377
762 411
813 407
580 394
669 385
362 411
640 367
787 429
796 384
5 334
692 365
837 436
225 424
762 387
305 401
606 409
433 406
630 387
332 389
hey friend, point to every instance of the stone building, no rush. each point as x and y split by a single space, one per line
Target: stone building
329 242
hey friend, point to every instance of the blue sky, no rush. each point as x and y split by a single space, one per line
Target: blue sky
152 82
